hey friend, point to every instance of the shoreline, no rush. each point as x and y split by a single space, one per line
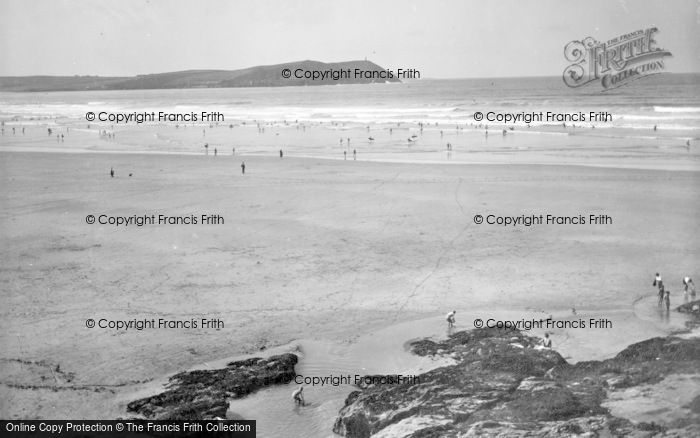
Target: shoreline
666 168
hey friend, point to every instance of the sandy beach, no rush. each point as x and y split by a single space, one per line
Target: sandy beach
311 249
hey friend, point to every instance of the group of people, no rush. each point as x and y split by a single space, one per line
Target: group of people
665 294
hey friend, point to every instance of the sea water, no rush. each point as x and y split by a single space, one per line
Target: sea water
650 120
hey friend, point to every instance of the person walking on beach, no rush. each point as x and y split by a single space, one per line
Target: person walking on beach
281 153
298 396
345 155
354 154
243 167
111 172
206 148
215 151
451 319
233 152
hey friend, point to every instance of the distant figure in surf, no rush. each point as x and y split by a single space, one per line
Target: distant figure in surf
298 396
451 319
667 299
657 281
661 294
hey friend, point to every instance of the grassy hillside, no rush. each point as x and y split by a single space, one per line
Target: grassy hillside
260 76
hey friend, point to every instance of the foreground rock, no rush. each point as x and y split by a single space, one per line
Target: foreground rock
203 394
503 386
693 310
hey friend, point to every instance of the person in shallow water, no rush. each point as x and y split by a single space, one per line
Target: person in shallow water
667 299
661 294
298 396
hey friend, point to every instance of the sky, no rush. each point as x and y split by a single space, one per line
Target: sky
440 38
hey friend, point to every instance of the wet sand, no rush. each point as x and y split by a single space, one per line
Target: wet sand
311 249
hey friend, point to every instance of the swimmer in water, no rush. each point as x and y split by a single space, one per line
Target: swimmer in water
298 396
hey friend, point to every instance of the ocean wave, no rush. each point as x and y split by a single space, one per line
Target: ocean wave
677 109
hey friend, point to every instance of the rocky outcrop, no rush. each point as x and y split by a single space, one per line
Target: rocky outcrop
693 309
203 394
503 386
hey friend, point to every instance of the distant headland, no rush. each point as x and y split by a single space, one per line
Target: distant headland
289 74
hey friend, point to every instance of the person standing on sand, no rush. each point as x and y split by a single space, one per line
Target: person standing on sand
354 154
345 155
451 319
298 396
215 151
281 153
111 172
243 167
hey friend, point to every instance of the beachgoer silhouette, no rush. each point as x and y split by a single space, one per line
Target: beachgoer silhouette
451 319
215 151
206 148
345 155
667 299
243 167
281 153
688 283
546 342
111 172
661 294
657 281
298 396
354 154
233 152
